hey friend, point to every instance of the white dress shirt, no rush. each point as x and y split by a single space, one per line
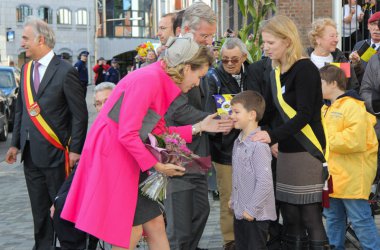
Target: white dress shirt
44 61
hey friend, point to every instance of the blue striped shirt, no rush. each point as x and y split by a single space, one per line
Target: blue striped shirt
252 183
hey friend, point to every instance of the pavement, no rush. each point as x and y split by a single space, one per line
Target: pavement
16 226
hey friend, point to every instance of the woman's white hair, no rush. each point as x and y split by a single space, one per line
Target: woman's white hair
103 86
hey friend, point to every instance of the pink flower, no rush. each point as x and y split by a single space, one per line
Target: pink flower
185 149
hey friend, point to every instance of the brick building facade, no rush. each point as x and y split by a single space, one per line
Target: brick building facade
303 12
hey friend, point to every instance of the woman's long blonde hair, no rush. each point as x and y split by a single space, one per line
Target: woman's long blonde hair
201 58
284 28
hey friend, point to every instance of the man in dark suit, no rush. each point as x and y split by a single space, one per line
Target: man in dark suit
186 204
374 42
50 124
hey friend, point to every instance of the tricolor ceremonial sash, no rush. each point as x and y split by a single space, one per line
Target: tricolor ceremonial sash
306 136
34 112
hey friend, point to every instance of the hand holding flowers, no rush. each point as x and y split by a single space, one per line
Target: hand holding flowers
174 159
169 169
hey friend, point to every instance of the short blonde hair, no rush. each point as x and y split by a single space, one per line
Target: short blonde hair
201 58
284 28
317 28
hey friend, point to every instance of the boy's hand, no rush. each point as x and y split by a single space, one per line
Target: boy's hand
247 217
230 204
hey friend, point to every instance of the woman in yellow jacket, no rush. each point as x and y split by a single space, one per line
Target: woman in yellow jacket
352 161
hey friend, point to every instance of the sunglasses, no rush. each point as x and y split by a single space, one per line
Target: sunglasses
233 60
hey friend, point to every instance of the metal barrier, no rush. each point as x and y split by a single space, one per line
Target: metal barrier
355 29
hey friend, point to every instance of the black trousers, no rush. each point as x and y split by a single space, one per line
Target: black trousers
43 185
250 235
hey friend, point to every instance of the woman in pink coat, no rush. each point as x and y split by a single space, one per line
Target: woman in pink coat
103 197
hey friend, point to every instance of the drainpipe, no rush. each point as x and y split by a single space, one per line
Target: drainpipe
337 15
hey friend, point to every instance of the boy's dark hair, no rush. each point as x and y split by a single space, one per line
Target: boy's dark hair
251 101
331 73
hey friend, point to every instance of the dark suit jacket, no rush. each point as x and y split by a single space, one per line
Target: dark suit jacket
63 106
258 79
187 109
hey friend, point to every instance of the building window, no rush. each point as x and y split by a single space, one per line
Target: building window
126 18
22 12
64 16
81 17
46 14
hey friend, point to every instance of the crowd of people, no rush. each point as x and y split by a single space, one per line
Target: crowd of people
296 124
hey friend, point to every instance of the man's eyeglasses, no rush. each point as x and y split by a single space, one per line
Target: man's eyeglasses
234 60
206 36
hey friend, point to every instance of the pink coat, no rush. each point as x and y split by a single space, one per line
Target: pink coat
103 195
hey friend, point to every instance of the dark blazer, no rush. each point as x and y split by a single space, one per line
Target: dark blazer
63 106
258 79
187 109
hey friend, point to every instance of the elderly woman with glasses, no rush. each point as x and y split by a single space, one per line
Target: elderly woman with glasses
228 78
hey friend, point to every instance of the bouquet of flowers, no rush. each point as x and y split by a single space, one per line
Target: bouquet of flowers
171 148
142 49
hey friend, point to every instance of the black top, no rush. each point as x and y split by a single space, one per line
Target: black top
303 92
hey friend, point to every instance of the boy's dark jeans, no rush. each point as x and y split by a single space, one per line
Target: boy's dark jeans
250 235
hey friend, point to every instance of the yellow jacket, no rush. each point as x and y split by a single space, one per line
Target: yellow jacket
353 147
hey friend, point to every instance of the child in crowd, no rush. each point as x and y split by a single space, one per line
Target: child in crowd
252 197
352 161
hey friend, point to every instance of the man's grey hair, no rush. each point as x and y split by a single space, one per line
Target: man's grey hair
231 43
41 28
197 12
103 86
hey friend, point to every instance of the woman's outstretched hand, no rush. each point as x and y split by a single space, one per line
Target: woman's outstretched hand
261 136
170 169
210 124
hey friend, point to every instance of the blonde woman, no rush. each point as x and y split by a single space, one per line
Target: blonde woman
299 169
324 38
104 200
